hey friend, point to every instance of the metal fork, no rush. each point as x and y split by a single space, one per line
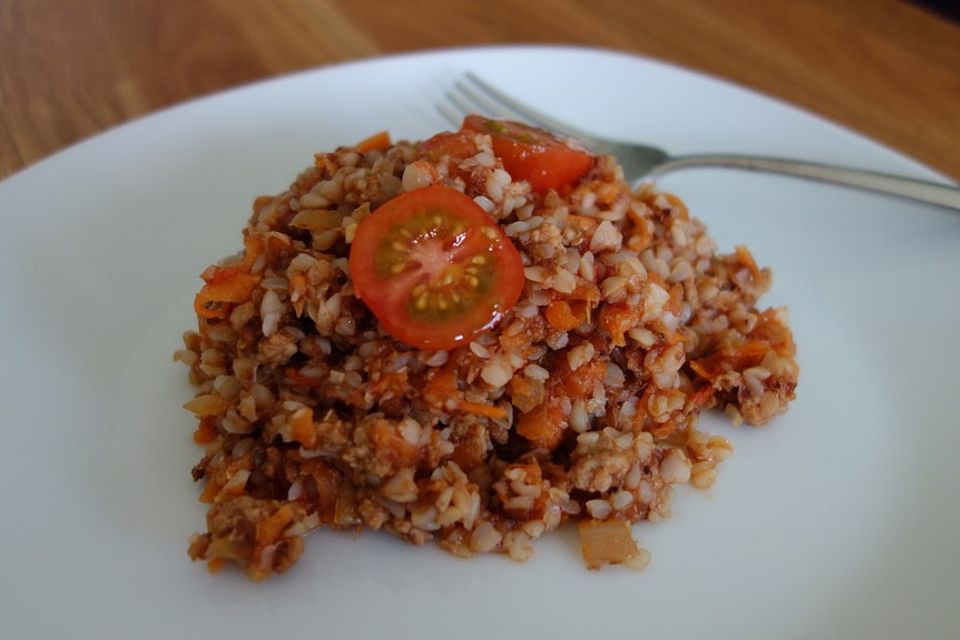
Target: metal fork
644 162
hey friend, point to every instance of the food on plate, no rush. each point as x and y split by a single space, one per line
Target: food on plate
472 340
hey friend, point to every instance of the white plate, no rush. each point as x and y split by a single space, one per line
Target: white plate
841 519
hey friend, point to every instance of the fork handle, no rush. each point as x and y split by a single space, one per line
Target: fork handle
910 188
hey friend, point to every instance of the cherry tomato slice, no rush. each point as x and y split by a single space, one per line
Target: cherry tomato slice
532 154
458 146
434 268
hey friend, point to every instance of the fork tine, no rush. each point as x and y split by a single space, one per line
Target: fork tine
460 103
527 113
448 114
484 104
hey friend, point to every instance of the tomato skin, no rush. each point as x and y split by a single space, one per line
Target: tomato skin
434 268
533 154
455 145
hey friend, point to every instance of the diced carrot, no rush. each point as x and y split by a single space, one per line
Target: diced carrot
222 273
580 383
770 329
641 238
532 471
617 319
525 394
210 491
271 528
215 564
378 141
394 382
316 220
219 273
260 202
587 291
302 424
206 431
443 386
746 259
705 368
480 409
564 316
678 204
234 489
252 248
738 358
751 350
234 289
543 426
469 455
391 445
463 455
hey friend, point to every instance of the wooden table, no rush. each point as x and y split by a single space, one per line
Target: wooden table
72 68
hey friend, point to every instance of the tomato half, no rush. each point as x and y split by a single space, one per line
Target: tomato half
533 154
458 146
434 268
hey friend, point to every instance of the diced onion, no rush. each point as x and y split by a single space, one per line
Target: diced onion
606 542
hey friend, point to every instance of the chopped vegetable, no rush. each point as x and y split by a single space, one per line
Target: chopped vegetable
744 356
746 259
271 528
617 319
301 423
607 542
228 284
317 220
434 268
459 146
206 431
480 409
214 298
543 425
390 445
564 316
532 154
378 141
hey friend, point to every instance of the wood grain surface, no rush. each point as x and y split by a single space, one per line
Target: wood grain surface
72 68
